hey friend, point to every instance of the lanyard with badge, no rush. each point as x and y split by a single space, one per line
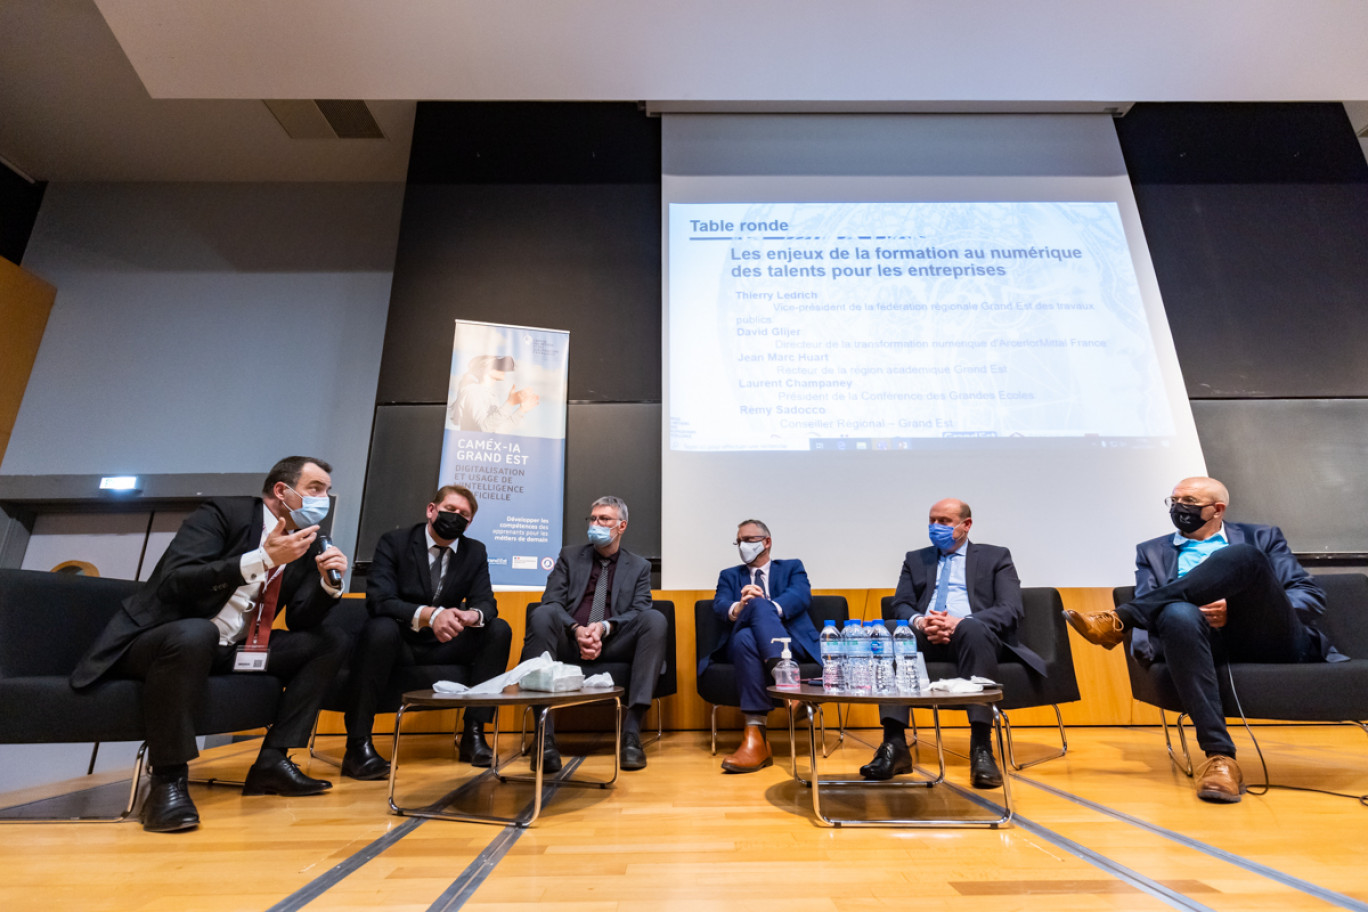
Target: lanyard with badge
252 654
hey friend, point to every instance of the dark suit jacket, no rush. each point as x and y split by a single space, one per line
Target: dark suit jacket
789 591
1156 563
994 593
569 578
199 572
400 578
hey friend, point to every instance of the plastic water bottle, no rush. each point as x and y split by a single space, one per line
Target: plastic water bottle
831 657
859 680
881 656
905 655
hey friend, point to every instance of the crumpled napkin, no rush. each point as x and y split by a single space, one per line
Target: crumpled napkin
602 679
960 685
495 684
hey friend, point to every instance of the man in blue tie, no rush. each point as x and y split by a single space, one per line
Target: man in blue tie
1214 592
757 601
963 600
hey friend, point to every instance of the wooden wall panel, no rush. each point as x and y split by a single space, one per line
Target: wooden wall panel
25 302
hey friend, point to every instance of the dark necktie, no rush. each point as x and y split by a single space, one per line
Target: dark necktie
600 593
760 579
437 563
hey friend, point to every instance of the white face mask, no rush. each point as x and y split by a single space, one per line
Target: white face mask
750 550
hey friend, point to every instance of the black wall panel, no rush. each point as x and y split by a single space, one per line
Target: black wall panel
1296 463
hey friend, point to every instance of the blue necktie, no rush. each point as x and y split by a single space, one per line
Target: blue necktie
943 583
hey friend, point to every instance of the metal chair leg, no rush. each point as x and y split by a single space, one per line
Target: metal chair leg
135 781
313 747
1011 750
714 729
1186 766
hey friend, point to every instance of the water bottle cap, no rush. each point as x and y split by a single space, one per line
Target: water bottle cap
828 623
902 622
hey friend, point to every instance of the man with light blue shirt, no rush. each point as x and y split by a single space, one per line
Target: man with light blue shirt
1212 593
963 600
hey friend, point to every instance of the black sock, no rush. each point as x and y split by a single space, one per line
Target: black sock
269 756
894 731
980 735
171 771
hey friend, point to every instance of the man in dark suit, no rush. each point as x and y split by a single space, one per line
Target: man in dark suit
757 601
418 580
597 607
233 562
964 602
1211 593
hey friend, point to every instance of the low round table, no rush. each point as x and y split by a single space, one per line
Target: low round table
543 703
809 698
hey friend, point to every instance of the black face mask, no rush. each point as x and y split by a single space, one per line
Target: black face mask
1187 518
449 526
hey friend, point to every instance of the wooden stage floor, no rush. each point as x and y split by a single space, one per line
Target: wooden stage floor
1110 826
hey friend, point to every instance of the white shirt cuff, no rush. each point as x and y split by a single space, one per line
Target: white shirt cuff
254 565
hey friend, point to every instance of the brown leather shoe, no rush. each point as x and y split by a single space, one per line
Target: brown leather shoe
1219 780
753 754
1101 628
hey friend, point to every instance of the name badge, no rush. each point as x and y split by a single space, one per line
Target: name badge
250 659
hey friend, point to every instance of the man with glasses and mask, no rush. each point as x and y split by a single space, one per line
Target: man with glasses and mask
757 601
963 600
207 609
431 603
597 607
1214 592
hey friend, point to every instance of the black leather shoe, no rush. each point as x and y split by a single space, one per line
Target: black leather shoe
551 758
632 756
983 771
891 759
474 749
281 778
168 807
362 762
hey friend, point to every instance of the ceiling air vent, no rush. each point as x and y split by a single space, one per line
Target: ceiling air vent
325 119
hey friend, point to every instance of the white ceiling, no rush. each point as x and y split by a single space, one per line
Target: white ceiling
170 89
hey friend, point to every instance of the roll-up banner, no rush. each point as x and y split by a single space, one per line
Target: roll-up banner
505 441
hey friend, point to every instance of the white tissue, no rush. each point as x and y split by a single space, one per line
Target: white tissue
960 685
602 679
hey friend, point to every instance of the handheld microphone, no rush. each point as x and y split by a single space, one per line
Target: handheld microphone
334 578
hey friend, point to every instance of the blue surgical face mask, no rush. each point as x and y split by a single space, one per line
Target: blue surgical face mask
942 537
311 512
600 535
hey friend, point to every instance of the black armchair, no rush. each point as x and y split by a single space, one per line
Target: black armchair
1045 631
350 615
1303 692
667 685
717 683
47 622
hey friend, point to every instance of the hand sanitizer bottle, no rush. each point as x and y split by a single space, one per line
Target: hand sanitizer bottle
786 670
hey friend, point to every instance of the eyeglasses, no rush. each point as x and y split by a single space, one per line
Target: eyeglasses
1171 502
462 513
749 539
601 520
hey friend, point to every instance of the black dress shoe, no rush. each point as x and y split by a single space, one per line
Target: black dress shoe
983 771
362 762
281 778
168 807
551 758
475 750
891 759
632 756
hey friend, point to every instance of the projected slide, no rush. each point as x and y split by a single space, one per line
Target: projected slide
803 326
